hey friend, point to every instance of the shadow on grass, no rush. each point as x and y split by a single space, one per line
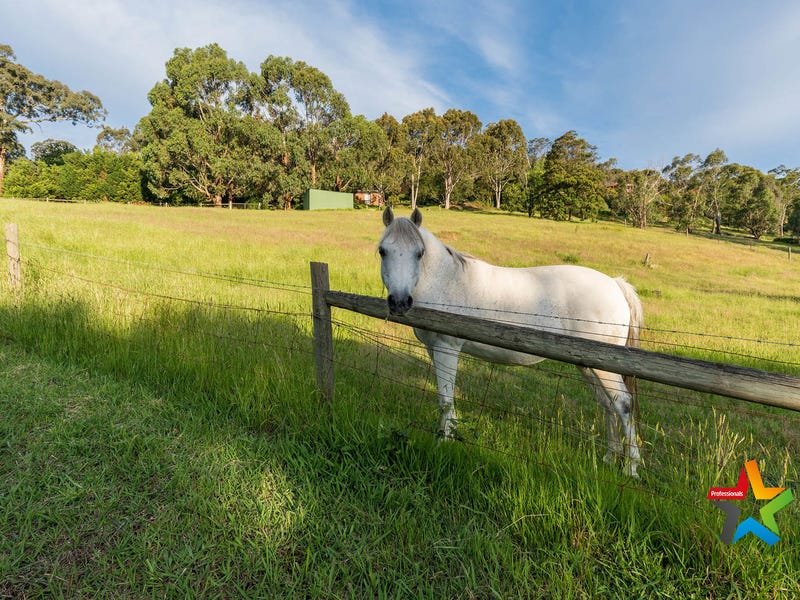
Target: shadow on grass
195 457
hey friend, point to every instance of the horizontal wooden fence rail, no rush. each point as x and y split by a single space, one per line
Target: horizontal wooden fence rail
753 385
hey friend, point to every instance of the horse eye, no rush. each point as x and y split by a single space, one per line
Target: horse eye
381 251
420 253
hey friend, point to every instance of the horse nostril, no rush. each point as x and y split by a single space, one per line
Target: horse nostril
399 305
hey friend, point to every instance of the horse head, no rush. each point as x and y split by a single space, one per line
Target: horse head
401 249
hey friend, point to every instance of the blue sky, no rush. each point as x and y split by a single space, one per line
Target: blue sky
642 81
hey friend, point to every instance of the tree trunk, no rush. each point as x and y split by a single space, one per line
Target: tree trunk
498 193
415 177
313 174
449 186
217 199
717 223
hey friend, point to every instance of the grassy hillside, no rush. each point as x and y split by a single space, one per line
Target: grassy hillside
162 433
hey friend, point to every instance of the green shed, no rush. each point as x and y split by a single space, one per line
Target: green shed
323 199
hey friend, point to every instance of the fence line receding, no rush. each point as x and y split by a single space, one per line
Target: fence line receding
752 385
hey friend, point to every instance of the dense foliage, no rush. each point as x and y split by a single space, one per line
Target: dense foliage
92 176
220 134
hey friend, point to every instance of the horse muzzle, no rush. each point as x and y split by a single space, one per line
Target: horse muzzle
399 305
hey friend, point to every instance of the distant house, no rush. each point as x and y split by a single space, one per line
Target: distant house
323 199
369 198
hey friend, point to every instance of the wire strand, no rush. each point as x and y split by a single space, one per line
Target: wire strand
288 287
205 303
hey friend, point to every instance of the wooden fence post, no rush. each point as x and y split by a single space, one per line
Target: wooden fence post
12 249
323 331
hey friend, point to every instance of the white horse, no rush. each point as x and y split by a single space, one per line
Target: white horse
418 269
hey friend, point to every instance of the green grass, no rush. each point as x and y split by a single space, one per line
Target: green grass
156 447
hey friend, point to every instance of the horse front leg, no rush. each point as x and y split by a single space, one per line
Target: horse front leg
622 404
617 402
445 363
614 447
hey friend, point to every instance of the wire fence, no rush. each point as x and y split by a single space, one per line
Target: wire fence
662 450
483 406
549 322
487 394
413 352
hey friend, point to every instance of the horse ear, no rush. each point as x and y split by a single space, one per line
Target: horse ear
388 216
416 217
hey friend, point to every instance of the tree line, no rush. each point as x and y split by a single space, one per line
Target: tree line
218 133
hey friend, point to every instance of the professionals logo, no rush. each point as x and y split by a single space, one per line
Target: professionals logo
766 530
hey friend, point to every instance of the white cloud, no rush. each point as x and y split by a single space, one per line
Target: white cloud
117 49
643 84
497 51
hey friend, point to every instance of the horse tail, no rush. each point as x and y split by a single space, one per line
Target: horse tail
634 328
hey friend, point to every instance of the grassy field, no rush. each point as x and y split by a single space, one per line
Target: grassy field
162 436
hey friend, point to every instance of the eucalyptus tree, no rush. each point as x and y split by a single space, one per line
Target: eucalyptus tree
682 191
117 140
304 105
51 151
748 199
357 148
198 144
573 182
638 194
502 156
389 174
711 178
739 184
268 99
758 214
538 148
27 98
421 129
787 193
451 149
534 183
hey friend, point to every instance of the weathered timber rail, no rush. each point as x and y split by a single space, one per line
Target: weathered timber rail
752 385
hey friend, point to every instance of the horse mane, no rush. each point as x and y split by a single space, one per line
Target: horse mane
459 257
